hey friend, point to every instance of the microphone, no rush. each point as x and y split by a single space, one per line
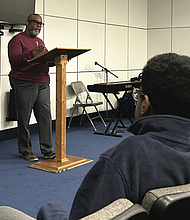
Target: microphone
138 78
134 79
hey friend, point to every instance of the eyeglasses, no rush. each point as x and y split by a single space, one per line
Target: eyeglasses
37 23
136 93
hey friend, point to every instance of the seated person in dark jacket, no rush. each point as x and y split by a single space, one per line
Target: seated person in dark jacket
157 155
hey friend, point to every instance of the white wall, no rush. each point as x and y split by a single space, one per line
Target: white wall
168 26
115 30
122 35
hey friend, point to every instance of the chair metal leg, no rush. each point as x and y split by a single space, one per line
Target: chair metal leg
90 120
100 116
71 116
82 116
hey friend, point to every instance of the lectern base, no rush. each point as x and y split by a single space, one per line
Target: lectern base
56 167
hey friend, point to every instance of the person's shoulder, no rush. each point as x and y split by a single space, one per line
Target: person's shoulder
18 36
15 38
127 146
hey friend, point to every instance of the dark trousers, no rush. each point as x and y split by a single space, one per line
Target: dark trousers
33 96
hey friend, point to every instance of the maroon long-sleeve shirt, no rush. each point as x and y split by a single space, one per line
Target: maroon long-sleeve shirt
20 49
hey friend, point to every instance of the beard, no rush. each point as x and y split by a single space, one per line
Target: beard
34 33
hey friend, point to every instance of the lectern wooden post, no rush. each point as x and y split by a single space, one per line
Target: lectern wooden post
61 62
62 161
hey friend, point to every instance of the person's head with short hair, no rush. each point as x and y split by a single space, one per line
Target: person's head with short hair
33 25
165 83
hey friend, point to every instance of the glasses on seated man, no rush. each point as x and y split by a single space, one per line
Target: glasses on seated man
136 93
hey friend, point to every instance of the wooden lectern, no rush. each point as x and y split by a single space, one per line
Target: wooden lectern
62 162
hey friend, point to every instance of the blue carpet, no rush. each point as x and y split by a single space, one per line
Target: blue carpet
27 189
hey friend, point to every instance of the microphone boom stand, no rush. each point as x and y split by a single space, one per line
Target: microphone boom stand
106 72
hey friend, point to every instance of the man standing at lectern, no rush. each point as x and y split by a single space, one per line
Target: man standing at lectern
30 82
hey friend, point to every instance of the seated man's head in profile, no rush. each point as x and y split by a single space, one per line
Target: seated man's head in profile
165 86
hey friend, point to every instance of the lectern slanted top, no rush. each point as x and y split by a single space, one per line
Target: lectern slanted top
62 162
56 52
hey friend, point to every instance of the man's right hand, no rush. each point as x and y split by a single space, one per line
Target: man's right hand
38 49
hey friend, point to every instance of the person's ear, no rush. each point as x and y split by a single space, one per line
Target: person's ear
146 108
